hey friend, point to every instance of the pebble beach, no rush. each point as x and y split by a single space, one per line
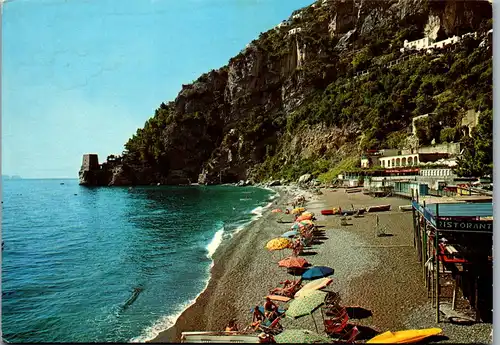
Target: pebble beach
381 274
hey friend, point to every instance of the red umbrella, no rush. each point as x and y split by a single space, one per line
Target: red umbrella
293 262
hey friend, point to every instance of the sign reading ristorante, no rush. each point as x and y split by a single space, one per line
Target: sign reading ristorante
470 225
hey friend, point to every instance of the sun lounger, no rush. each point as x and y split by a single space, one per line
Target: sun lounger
288 291
278 298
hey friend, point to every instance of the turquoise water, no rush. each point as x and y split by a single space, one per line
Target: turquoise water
73 256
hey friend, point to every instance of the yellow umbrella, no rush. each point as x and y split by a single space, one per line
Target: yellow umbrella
313 286
278 243
298 210
308 214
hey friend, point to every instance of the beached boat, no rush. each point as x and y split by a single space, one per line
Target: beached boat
331 211
404 337
405 208
378 208
219 337
353 190
353 212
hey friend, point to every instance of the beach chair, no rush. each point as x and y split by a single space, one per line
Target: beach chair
337 326
288 291
349 337
273 327
297 249
332 300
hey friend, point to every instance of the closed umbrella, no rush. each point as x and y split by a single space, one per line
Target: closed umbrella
300 336
317 272
313 286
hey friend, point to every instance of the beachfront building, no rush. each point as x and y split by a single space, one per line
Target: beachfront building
454 243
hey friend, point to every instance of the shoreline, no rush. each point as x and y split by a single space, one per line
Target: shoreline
184 321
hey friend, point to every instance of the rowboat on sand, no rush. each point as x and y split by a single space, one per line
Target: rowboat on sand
378 208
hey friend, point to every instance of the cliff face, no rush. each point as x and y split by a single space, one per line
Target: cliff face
221 127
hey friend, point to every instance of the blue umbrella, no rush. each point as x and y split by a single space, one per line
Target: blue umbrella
290 234
317 272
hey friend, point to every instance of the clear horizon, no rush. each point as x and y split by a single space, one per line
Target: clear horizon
81 76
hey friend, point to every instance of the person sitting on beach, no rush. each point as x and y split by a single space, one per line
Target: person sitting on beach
269 307
287 211
258 317
286 283
232 327
273 315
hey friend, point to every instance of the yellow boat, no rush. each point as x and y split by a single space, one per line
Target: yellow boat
404 337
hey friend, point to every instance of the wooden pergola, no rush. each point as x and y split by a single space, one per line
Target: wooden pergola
470 225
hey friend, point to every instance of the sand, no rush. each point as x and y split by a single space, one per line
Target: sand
381 274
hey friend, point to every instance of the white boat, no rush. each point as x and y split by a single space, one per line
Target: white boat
219 337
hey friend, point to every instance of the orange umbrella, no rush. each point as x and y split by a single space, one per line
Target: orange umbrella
293 262
306 217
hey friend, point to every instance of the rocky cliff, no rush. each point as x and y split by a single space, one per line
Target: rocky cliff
288 100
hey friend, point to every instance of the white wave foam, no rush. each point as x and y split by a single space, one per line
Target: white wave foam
167 321
215 243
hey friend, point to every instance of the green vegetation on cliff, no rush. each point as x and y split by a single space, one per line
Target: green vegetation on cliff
240 121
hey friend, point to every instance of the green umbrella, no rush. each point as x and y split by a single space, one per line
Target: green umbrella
306 305
300 336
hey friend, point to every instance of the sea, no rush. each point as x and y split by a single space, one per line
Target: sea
111 264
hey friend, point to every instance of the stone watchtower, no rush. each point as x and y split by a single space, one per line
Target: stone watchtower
90 170
90 162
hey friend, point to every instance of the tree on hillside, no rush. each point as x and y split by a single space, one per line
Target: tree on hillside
477 158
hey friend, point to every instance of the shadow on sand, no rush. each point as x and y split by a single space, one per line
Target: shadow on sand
355 312
308 253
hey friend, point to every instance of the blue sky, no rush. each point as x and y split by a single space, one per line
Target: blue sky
80 76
